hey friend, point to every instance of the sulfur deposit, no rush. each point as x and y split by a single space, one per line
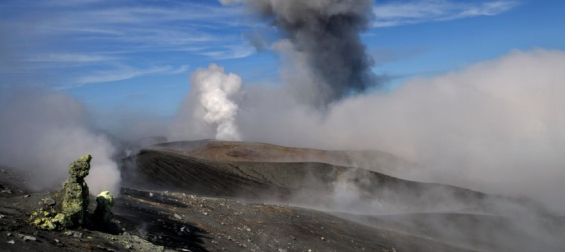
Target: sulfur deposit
72 212
103 213
49 219
75 198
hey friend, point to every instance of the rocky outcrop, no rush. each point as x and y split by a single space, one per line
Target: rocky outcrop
75 198
72 212
103 214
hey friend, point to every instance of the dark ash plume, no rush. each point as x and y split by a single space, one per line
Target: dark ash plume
324 36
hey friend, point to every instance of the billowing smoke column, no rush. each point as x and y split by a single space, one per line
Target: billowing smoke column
327 60
215 89
210 105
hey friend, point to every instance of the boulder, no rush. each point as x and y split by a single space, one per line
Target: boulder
75 197
103 213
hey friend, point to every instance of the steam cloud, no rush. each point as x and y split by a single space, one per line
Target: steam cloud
210 109
43 132
496 126
326 59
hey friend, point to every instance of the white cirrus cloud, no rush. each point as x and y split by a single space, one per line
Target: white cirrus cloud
70 58
412 12
229 52
124 72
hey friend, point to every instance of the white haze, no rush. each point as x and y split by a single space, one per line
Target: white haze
496 126
43 132
209 109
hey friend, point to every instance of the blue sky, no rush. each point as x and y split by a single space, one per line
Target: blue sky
136 55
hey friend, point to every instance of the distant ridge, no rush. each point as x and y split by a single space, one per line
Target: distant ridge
258 171
262 152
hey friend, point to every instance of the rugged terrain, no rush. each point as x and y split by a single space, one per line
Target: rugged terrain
231 196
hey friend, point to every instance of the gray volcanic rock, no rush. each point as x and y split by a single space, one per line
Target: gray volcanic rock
49 201
177 202
311 184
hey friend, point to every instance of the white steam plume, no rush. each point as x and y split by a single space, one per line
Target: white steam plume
210 109
43 132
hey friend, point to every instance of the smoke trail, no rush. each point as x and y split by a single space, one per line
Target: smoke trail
210 104
326 58
43 132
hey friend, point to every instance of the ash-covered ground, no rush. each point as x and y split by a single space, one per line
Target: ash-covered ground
232 196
